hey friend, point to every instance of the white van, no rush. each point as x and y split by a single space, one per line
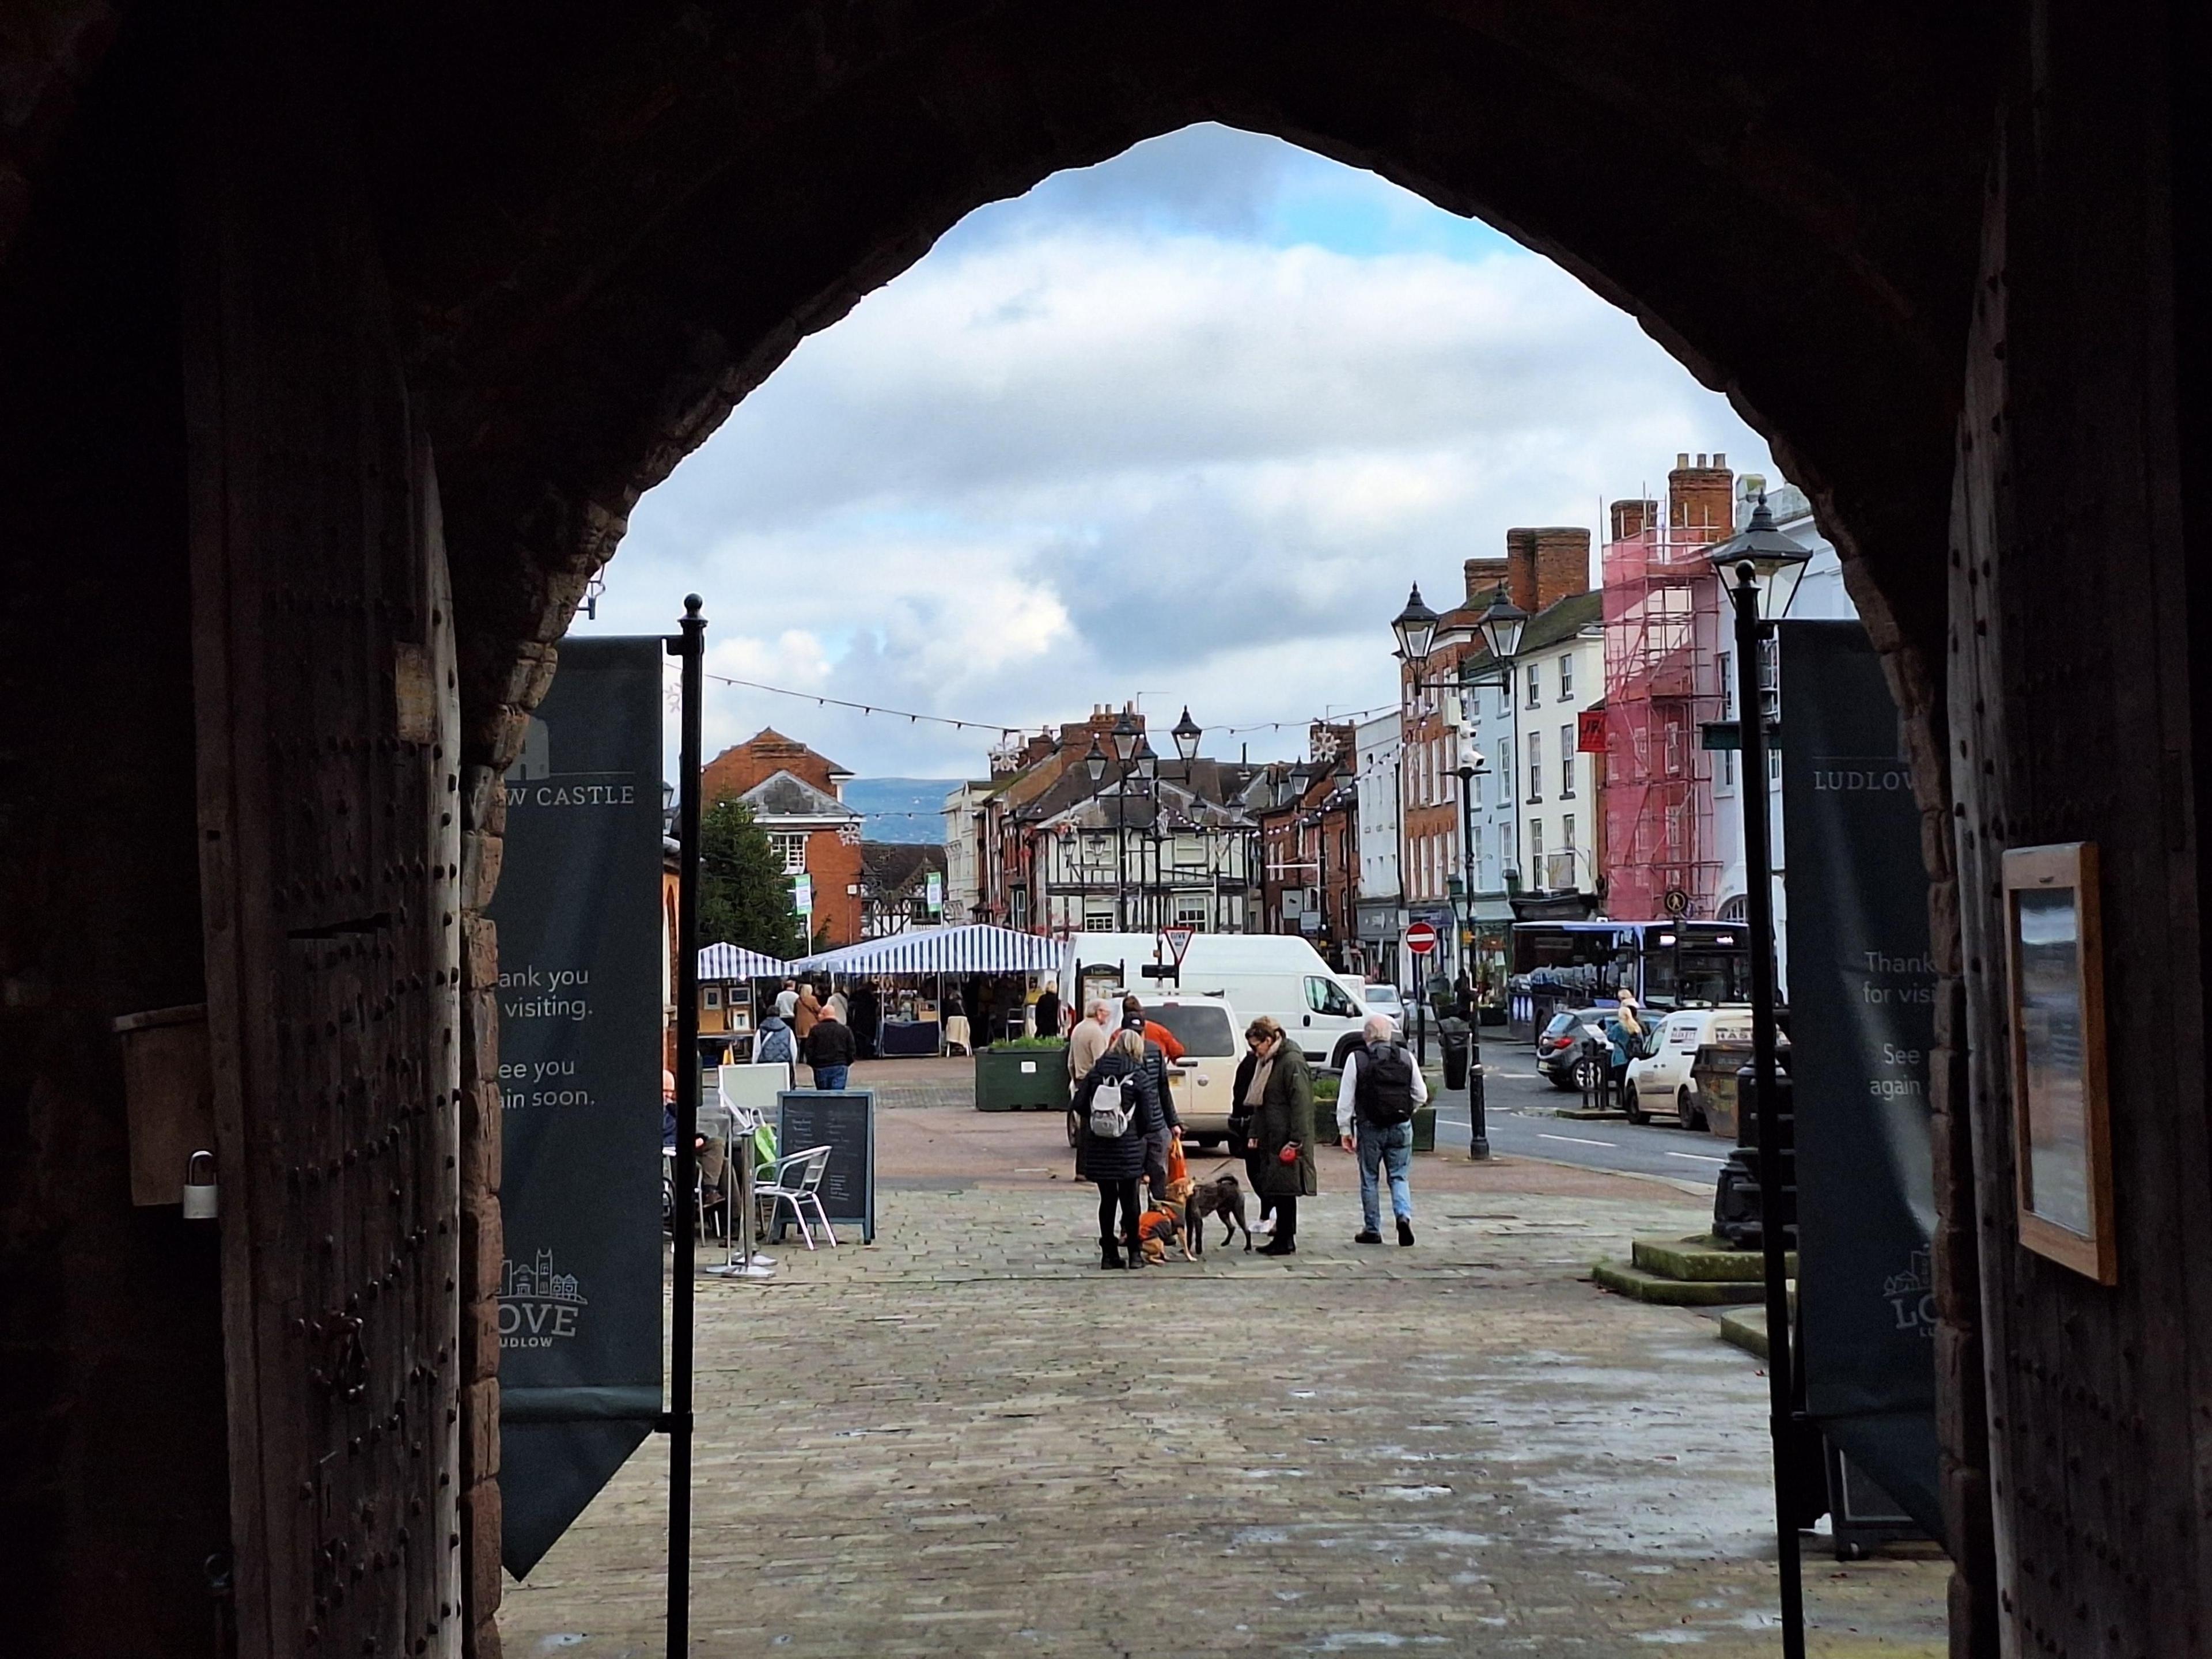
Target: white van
1275 973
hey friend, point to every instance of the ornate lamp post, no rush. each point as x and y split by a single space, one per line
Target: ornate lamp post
1762 554
1462 890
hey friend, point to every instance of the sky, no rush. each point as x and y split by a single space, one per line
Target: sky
1181 428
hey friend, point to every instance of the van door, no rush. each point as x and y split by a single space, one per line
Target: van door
1330 1012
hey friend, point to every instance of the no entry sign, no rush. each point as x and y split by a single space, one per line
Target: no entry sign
1420 938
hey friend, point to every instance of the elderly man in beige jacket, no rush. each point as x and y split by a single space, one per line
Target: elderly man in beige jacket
1089 1039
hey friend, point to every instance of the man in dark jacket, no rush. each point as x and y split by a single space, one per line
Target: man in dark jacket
1278 1094
1375 1118
1158 1058
829 1049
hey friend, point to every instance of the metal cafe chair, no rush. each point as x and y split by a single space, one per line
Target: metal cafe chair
796 1180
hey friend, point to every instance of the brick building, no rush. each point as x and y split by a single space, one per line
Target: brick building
798 797
1308 813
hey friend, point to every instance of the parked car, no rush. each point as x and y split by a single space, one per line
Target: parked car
1204 1081
1575 1052
1379 999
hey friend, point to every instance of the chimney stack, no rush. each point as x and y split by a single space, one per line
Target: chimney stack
1701 500
1482 576
1547 564
1631 518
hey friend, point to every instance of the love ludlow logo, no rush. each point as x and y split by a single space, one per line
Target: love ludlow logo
537 1307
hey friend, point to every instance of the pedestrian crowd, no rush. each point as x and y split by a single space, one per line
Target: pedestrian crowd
1128 1130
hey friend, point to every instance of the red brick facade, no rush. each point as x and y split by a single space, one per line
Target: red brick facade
833 842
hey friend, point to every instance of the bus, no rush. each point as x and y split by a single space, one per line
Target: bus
1580 964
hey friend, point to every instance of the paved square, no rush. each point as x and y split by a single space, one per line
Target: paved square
967 1440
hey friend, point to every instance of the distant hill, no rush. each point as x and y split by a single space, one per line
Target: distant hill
908 810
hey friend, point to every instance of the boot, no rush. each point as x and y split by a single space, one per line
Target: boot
1108 1254
1136 1254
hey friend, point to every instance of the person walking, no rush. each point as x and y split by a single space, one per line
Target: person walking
804 1011
1089 1039
1113 1162
775 1044
829 1051
956 1038
1280 1095
787 1001
1047 1012
1375 1119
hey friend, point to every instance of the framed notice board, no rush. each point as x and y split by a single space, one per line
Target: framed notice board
843 1120
2063 1145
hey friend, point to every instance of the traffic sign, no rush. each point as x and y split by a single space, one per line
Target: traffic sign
1178 941
1677 901
1420 938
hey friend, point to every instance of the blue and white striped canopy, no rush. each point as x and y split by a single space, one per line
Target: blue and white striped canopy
728 962
975 948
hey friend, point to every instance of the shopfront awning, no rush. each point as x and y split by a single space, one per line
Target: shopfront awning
723 962
975 948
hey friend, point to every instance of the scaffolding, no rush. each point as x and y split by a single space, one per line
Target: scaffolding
1662 682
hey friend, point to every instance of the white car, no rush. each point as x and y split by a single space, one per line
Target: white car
1205 1079
1661 1081
1377 999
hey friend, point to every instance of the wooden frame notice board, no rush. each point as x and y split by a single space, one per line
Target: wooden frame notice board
2062 1125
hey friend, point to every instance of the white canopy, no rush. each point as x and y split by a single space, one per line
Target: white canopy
729 962
975 948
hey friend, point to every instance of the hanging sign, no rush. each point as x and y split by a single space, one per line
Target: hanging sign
933 889
1590 732
579 914
802 894
1862 1013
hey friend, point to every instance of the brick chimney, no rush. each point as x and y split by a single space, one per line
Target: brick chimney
1482 576
1546 565
1701 499
1631 518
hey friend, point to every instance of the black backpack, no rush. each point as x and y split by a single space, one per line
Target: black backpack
1386 1085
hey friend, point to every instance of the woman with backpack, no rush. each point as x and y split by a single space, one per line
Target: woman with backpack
1117 1104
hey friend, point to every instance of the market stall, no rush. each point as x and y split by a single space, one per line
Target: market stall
727 973
911 972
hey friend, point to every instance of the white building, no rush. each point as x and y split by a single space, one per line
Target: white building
963 847
1378 745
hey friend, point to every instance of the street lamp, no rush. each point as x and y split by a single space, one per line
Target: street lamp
1462 888
1187 733
1146 762
1501 627
1416 628
1095 762
1762 553
1125 734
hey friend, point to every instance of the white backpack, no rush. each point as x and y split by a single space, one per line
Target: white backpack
1112 1114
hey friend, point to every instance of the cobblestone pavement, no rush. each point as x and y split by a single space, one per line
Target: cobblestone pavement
967 1440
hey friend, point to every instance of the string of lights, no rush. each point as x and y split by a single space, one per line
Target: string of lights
822 700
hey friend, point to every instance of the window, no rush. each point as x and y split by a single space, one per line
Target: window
1728 767
1504 851
1536 843
1728 686
1504 775
1532 677
1535 770
1567 762
1567 833
791 849
1191 913
1326 996
1567 679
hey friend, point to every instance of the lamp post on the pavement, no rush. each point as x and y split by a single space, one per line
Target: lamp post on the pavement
1478 1124
1762 553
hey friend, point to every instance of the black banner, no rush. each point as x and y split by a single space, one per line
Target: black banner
579 912
1861 1022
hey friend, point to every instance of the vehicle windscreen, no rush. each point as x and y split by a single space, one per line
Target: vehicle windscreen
1201 1029
1562 1024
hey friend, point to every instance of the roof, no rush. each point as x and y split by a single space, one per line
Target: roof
891 866
1563 619
782 795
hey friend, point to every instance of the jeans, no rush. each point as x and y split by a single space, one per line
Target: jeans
830 1077
1385 1146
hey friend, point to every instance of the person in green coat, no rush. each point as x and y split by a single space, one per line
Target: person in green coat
1282 1112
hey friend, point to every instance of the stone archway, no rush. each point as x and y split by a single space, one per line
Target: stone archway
573 248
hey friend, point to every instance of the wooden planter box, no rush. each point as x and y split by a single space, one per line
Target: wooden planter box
1021 1079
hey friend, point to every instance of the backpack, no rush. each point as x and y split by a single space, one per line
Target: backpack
1112 1114
773 1046
1386 1085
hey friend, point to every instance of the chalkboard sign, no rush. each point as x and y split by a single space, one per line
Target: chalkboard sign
843 1120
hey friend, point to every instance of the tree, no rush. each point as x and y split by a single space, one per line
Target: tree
744 897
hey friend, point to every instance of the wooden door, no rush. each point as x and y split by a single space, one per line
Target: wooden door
326 720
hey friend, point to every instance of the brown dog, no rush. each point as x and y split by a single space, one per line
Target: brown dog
1163 1224
1223 1197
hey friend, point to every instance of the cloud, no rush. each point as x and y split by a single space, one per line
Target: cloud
1125 437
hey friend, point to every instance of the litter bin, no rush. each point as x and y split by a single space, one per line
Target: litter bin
1453 1033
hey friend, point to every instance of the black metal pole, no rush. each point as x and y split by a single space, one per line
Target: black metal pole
1758 904
1121 852
1477 1122
691 647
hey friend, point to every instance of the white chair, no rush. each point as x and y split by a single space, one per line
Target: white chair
795 1180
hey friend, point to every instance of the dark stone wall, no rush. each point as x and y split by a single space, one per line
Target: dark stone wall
113 1489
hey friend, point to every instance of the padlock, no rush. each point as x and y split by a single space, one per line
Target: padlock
199 1186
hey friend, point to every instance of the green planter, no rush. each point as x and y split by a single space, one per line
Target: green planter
1010 1079
1424 1128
